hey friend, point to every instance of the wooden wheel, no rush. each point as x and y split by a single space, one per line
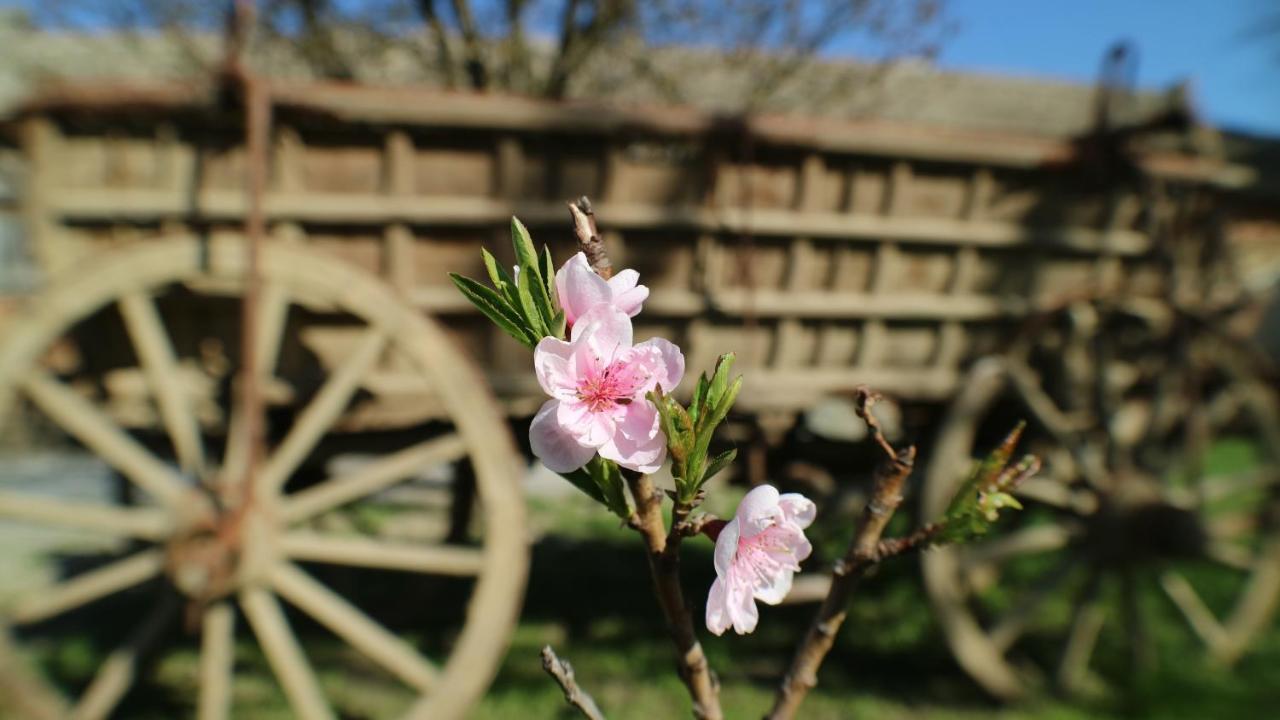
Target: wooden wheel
1160 495
230 546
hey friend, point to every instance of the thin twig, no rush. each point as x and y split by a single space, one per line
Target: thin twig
562 671
864 552
589 241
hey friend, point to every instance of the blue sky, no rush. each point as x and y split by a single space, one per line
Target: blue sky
1235 77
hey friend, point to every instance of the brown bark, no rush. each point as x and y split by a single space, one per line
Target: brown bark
589 240
562 672
865 551
664 566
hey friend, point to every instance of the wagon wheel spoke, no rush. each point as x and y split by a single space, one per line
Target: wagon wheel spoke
284 655
87 587
103 436
1221 487
1198 615
1010 627
273 313
352 625
1224 552
1140 657
1064 429
1255 607
141 523
1057 494
1029 540
371 478
1082 638
119 671
362 552
217 661
323 411
155 352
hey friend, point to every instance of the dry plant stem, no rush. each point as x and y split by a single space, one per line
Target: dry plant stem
664 566
562 671
589 240
865 551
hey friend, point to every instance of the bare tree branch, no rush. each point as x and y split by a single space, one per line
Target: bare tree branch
562 671
864 553
517 72
477 71
440 38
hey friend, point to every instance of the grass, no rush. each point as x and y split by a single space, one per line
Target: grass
589 597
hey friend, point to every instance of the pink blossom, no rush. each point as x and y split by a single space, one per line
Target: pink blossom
581 289
597 382
757 553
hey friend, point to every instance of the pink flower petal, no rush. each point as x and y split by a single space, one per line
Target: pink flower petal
757 510
628 294
742 608
580 288
774 588
638 443
726 547
669 362
557 449
718 608
605 329
797 509
551 365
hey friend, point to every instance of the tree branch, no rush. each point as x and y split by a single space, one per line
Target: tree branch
477 72
562 671
440 36
589 240
515 74
864 552
664 567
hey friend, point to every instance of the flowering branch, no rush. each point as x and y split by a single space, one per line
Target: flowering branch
664 567
562 671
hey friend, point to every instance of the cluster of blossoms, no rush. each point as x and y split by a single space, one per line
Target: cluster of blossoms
599 384
598 380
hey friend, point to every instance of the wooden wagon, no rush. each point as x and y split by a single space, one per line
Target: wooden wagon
998 275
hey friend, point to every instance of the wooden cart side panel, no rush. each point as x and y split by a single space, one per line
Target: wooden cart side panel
802 258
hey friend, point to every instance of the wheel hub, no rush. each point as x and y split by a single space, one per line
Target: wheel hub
205 558
1136 523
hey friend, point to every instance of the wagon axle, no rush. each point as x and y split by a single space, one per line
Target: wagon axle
203 557
1129 534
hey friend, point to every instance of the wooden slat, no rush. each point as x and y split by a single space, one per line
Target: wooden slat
398 162
146 205
288 166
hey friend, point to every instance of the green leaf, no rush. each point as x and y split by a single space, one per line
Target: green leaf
499 277
720 379
719 411
526 254
699 398
558 325
495 308
530 265
718 463
549 275
582 479
528 306
984 474
608 479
